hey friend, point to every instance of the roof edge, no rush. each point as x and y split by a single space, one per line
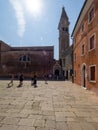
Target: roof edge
79 17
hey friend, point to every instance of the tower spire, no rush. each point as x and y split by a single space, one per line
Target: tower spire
64 13
63 17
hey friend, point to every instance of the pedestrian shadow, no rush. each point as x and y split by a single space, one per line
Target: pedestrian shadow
9 86
19 86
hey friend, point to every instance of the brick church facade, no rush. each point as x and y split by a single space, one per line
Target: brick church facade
85 46
26 60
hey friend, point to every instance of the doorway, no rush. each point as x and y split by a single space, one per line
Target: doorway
57 74
84 75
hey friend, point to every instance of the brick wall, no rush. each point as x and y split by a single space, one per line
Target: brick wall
90 57
40 61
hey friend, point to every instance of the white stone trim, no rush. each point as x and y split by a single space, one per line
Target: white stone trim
89 13
94 34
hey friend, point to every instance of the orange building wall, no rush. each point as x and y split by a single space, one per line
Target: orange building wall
89 57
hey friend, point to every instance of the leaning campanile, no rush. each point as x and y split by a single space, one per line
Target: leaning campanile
63 28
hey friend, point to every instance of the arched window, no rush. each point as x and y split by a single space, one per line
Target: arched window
24 58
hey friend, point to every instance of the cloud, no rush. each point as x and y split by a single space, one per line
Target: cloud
20 16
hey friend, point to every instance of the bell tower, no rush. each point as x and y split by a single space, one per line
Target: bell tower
63 28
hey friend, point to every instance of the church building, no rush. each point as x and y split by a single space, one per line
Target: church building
39 60
26 60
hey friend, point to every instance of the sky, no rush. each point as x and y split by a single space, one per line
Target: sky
35 22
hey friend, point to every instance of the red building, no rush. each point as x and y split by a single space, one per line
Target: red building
85 46
26 60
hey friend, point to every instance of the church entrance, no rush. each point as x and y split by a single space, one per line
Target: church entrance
57 74
56 71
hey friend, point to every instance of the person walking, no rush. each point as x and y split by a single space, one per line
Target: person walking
32 82
21 78
10 84
35 81
45 78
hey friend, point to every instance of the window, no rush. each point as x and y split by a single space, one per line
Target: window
66 30
83 49
63 29
92 42
24 58
92 73
91 15
82 27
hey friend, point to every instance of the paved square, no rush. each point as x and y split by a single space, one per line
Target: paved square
58 105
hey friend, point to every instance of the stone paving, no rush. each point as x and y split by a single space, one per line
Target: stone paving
57 105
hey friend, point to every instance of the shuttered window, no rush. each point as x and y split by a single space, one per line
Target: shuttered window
91 15
92 73
82 49
92 42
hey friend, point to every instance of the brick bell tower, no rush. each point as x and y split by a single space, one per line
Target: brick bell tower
63 28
